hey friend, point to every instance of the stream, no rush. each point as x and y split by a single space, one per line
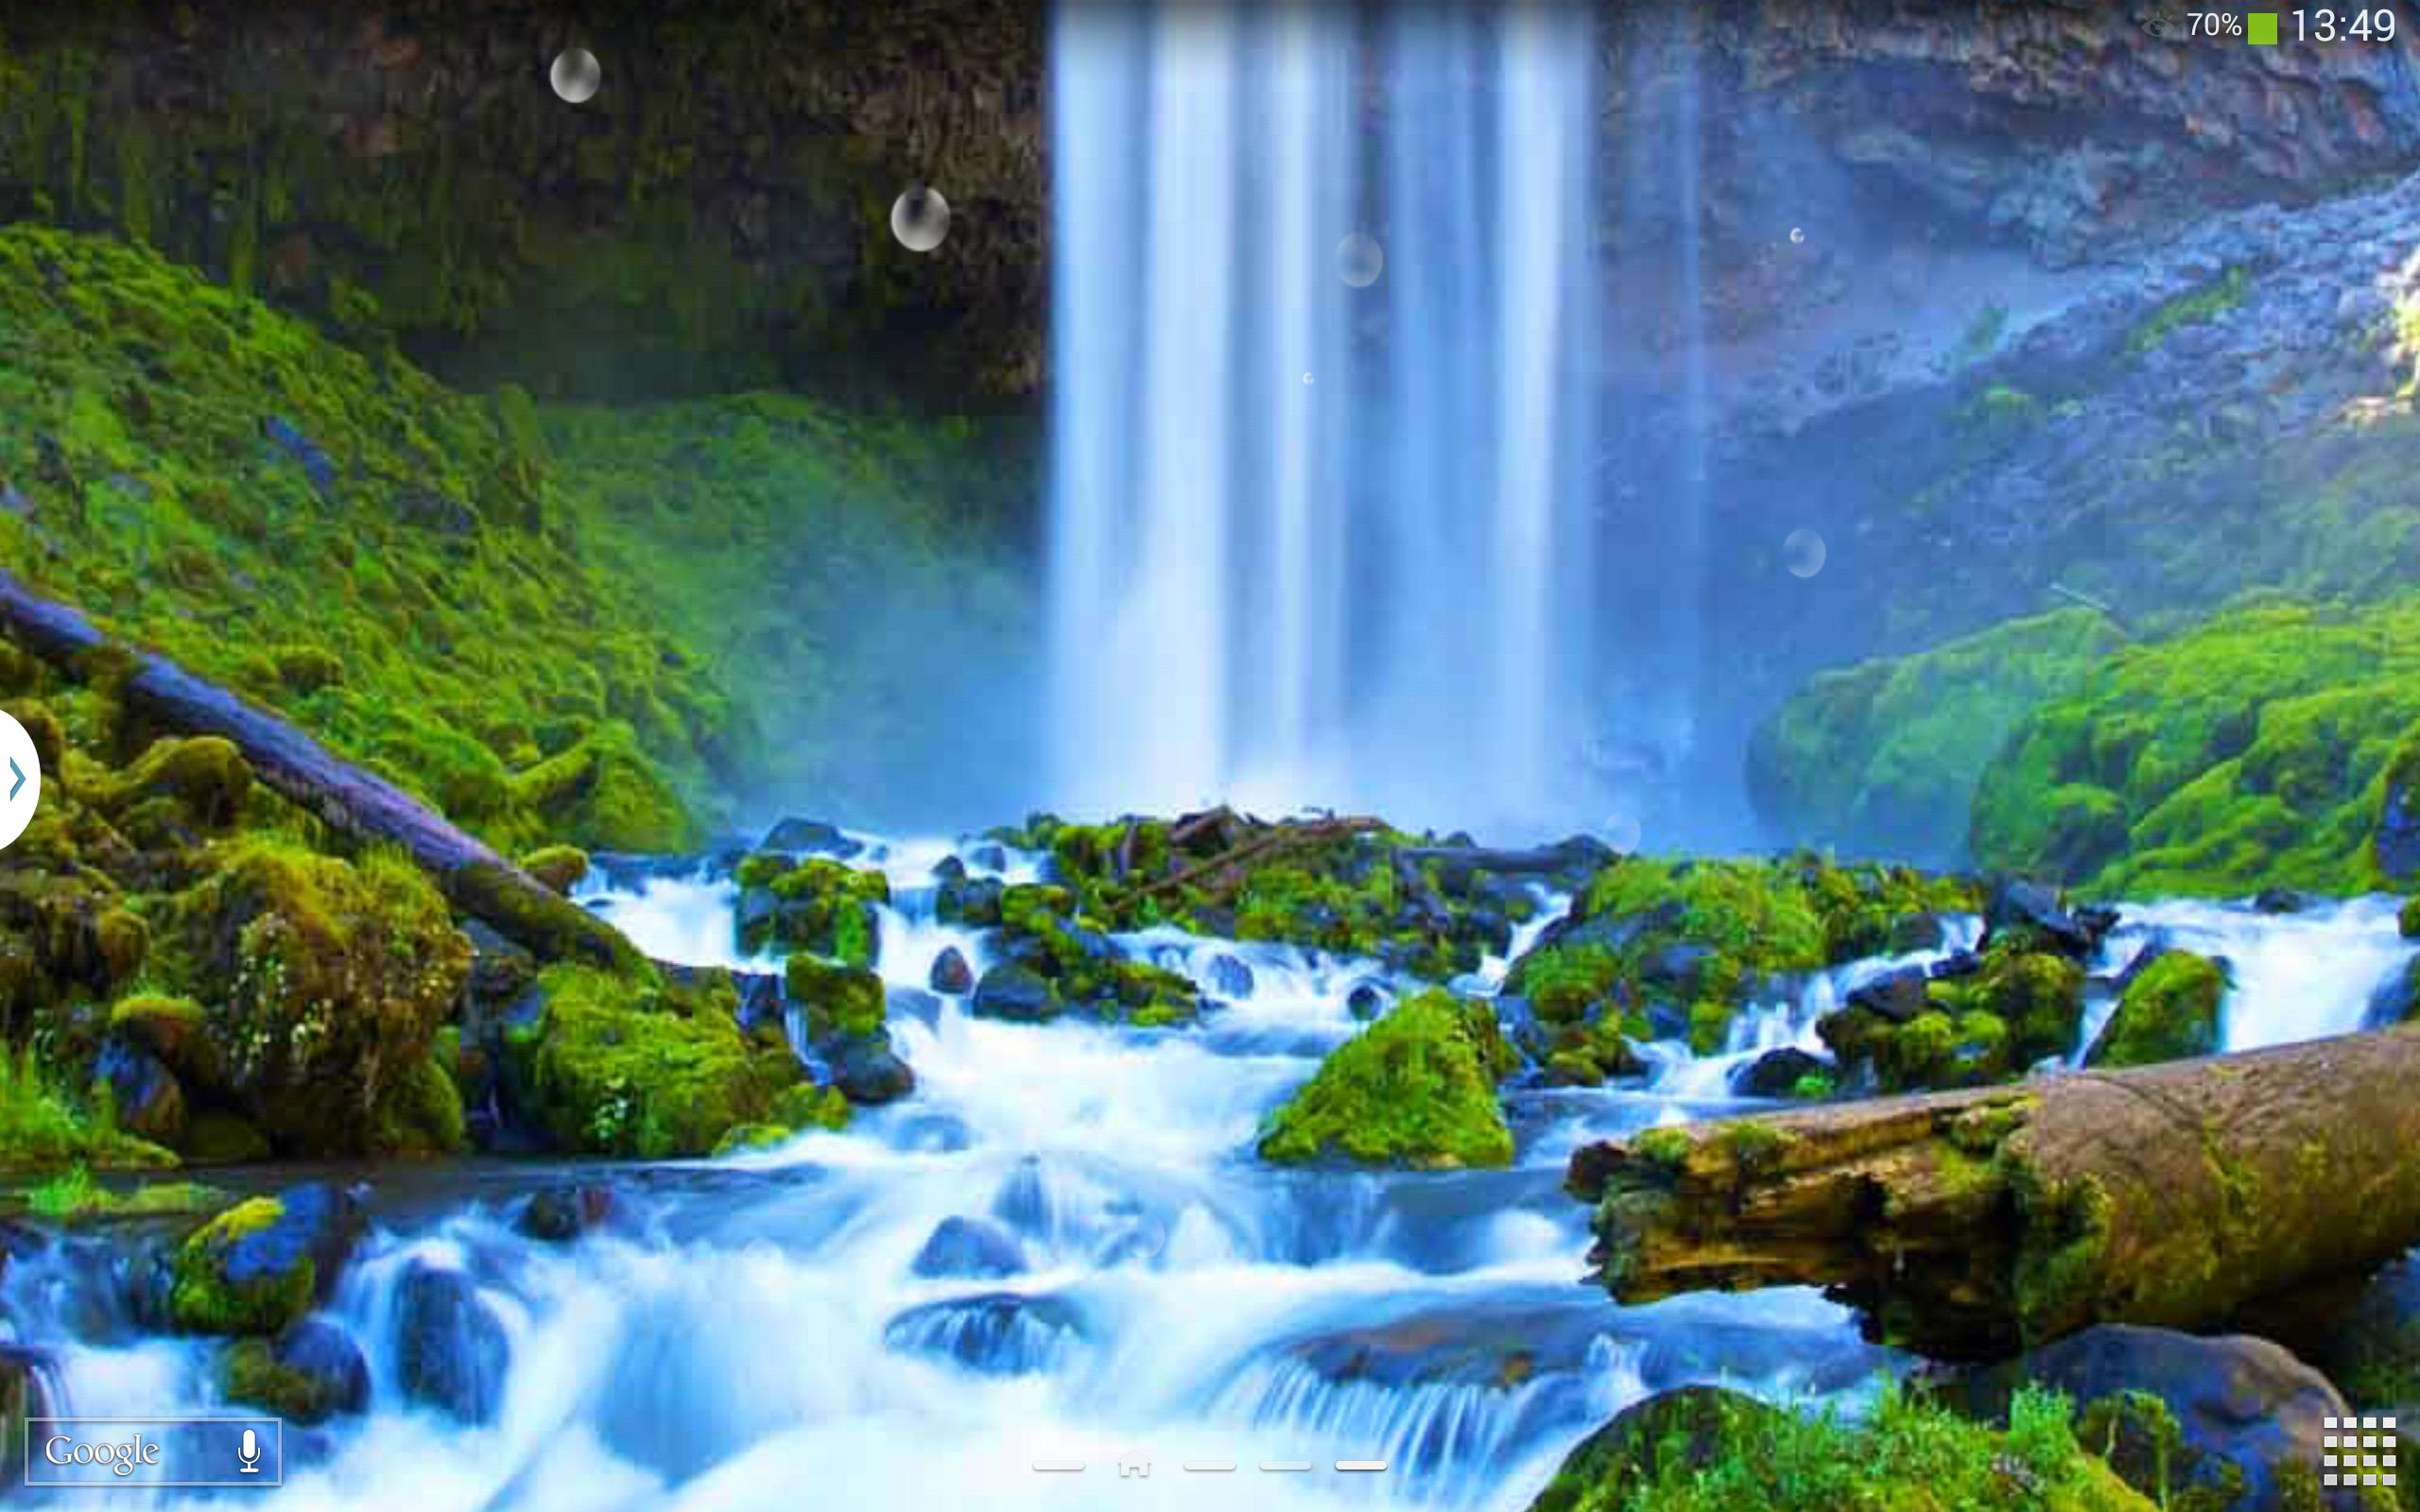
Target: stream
1061 1248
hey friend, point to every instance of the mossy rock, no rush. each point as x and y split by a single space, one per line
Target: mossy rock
837 999
420 1113
2169 1012
1416 1088
2409 920
198 783
324 981
2252 750
306 1375
257 1267
611 1064
816 904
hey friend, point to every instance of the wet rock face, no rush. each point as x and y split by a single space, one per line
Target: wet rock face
450 1348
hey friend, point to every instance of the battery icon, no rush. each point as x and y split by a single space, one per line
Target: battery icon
2261 28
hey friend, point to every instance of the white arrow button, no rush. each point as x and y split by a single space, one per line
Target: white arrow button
20 779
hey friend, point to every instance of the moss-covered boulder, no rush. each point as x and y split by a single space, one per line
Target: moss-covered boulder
323 983
2252 750
2409 920
559 867
1417 1088
816 904
306 1375
615 1064
1882 758
2170 1011
1654 947
845 1009
1983 1020
257 1267
1704 1449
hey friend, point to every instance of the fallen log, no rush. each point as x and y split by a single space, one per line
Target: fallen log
354 802
1969 1225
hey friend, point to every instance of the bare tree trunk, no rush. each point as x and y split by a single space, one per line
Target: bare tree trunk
1970 1224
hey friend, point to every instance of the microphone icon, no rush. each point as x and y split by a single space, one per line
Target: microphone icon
250 1453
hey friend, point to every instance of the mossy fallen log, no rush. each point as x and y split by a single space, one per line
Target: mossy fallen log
1971 1224
354 801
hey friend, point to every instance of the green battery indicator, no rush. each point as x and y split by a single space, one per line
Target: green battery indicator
2261 28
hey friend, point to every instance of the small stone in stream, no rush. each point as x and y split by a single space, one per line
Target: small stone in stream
1230 977
450 1348
810 837
1777 1072
990 857
1898 996
557 1216
949 868
869 1073
1366 1001
2280 900
951 974
2030 916
969 1247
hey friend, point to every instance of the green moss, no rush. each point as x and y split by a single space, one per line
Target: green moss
1703 936
1415 1088
250 1374
1883 757
559 867
1906 1455
836 998
816 904
324 981
2169 1012
2193 308
420 1113
614 1067
206 1297
1666 1147
2248 751
2409 920
806 1106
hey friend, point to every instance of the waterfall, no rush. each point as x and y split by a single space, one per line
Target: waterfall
1315 541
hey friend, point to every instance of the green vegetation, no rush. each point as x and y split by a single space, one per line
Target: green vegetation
2169 1012
251 1373
41 1126
339 537
2206 302
1416 1088
816 904
2249 751
619 1065
2018 1008
1706 1451
74 1194
1692 941
1882 758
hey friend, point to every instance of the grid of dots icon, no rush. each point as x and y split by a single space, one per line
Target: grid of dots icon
2356 1452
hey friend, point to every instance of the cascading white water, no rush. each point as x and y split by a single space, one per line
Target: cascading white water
1314 542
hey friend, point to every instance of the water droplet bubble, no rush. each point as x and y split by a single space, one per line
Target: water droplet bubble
1621 833
1307 377
1804 553
920 218
576 76
1360 259
1797 234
